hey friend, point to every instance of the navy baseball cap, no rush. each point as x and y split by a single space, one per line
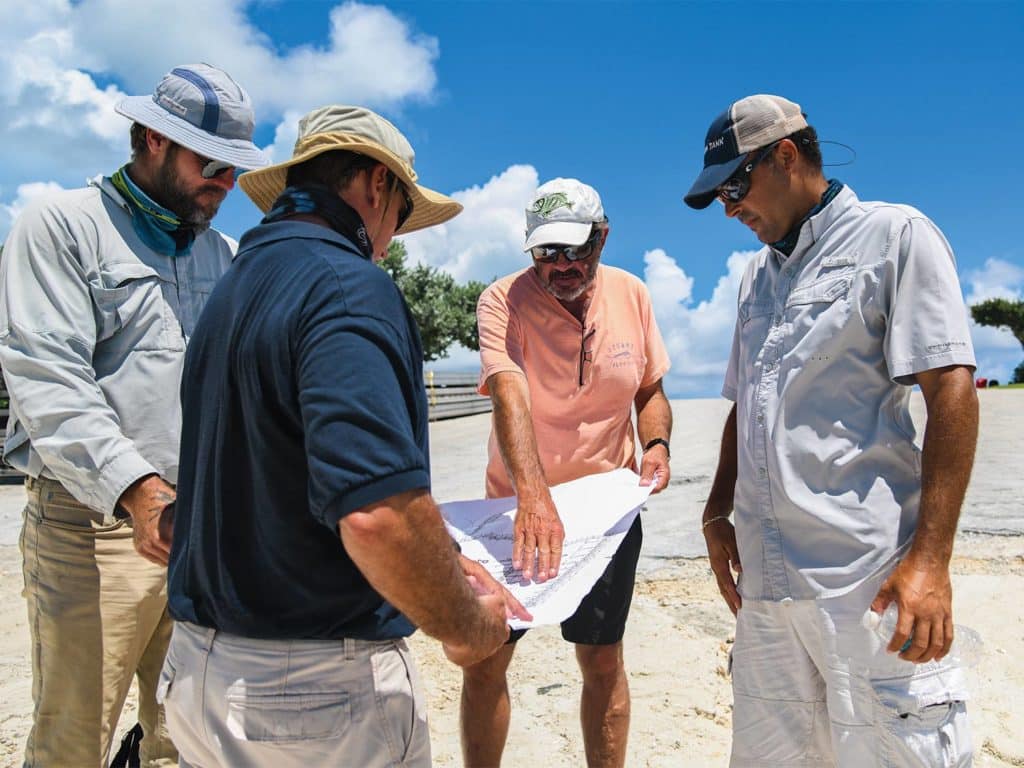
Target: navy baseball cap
747 124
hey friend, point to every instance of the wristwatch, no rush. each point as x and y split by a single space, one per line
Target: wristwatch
658 441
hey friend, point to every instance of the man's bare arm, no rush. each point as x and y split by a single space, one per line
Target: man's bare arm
538 529
719 533
402 548
654 419
920 582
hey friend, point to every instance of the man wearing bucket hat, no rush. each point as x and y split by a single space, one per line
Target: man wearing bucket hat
568 348
306 542
847 306
100 289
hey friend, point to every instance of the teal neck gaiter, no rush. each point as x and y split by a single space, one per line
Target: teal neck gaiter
156 226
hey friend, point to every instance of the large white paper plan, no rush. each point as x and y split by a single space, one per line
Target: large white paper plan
596 512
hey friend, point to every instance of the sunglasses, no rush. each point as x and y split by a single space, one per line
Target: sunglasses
736 187
214 168
406 212
548 254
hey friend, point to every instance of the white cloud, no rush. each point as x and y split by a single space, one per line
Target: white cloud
998 279
698 336
25 193
371 57
66 64
485 240
285 134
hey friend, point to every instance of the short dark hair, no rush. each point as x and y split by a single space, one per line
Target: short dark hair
334 169
138 137
806 140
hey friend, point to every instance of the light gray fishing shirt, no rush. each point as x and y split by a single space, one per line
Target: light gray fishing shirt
93 327
826 346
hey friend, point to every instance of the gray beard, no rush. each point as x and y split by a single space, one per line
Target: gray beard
571 295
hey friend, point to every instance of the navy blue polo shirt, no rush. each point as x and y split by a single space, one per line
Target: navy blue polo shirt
302 401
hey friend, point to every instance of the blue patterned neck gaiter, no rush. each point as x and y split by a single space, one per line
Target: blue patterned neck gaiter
156 226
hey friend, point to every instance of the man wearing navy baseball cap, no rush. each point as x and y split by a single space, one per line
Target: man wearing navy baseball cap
100 289
847 306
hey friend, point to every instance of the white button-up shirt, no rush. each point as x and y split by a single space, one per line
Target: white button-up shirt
826 346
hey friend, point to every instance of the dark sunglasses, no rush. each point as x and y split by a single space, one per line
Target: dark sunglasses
736 187
548 254
406 212
214 168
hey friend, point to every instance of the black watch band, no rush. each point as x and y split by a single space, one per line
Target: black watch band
658 441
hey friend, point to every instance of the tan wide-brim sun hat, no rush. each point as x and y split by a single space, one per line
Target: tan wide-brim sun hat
354 129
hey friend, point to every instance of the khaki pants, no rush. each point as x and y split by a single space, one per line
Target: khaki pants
238 701
97 614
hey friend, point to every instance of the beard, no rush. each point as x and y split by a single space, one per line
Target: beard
585 271
172 193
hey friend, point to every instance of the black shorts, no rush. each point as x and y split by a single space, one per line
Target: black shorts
601 617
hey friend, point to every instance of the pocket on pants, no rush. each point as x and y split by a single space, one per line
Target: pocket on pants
287 717
398 701
922 725
163 687
58 509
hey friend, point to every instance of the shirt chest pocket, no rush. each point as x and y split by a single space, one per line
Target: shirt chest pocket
820 308
132 309
755 319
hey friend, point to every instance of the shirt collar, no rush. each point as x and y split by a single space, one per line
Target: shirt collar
264 234
815 225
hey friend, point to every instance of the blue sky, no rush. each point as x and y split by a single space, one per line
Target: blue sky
496 97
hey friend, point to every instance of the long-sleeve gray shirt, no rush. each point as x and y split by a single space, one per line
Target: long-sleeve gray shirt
93 327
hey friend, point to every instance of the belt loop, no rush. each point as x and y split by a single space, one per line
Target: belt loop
349 645
209 634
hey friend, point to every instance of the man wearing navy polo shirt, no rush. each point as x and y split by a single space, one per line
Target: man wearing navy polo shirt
306 420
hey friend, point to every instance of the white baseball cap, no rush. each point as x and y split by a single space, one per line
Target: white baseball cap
562 211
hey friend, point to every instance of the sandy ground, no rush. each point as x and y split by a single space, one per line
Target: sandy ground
679 631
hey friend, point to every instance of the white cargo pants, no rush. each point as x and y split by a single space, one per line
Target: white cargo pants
806 694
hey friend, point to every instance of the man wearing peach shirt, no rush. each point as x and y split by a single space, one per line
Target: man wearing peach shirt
568 348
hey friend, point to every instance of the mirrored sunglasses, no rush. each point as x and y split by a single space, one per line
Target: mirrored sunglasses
736 187
548 254
214 168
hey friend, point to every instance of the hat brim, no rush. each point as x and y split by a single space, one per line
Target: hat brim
560 232
265 185
702 193
238 152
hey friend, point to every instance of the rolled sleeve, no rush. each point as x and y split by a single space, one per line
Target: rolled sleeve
357 391
47 339
927 326
501 348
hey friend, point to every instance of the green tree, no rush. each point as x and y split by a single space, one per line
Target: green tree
444 310
1003 313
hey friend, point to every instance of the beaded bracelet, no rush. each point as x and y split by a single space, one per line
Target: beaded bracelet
714 519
